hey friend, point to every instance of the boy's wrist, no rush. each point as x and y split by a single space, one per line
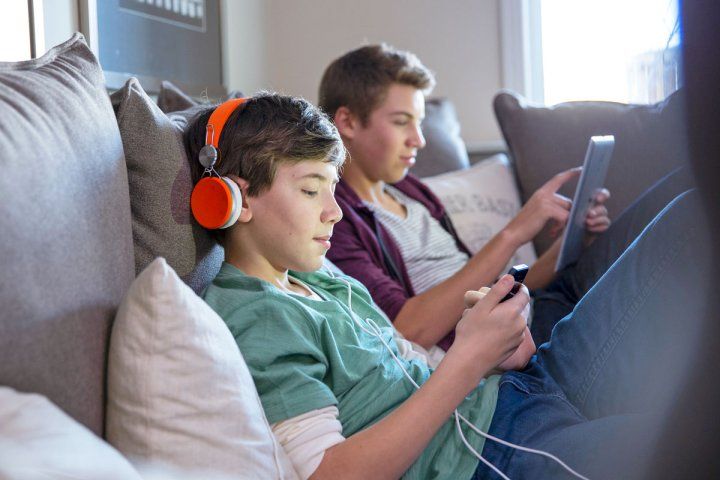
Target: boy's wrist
509 236
470 367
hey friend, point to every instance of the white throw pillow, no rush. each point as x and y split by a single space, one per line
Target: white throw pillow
179 391
40 441
480 201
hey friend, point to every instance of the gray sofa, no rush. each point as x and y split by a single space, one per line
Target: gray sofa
74 232
66 243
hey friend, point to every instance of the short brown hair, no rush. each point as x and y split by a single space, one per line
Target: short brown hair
359 79
265 131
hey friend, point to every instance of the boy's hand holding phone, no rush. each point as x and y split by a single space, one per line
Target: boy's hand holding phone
520 358
488 333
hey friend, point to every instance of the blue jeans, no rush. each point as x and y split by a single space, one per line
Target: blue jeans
596 393
559 298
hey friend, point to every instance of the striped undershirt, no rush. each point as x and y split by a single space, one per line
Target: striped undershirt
428 250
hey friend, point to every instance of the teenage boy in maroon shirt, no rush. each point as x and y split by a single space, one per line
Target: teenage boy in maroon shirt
376 97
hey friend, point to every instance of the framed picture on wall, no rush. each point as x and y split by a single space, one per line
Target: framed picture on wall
156 40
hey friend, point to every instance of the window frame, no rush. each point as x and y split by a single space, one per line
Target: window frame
521 48
37 28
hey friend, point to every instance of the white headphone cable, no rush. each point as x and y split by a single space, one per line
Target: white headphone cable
459 417
378 334
520 447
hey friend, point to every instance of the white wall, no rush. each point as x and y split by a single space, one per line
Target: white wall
457 39
285 45
244 46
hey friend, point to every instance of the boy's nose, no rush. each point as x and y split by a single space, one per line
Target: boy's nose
417 139
332 212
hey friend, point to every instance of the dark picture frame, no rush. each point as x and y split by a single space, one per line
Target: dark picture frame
156 40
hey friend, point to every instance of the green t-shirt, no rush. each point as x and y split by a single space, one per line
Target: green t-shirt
306 354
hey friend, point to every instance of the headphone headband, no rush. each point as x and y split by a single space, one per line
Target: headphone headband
216 202
218 118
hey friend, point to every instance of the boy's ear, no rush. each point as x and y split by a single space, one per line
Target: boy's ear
246 212
346 122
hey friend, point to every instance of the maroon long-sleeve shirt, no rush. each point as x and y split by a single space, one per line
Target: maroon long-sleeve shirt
363 248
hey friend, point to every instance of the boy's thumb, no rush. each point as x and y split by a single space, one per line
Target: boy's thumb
500 289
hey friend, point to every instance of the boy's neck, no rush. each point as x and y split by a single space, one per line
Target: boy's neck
259 268
242 252
365 188
262 269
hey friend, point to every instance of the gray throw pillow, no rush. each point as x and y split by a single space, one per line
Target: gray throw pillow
160 187
650 141
66 237
445 150
172 99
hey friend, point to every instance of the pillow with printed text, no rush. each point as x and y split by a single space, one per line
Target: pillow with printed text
480 201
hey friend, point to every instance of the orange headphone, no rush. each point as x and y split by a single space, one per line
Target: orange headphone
216 202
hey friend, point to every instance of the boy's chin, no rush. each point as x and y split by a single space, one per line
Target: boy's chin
309 265
397 176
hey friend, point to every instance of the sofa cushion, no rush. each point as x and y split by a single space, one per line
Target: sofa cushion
445 150
66 241
179 391
650 141
480 201
39 441
172 99
160 187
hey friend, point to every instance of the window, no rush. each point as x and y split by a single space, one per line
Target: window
610 50
21 30
15 28
562 50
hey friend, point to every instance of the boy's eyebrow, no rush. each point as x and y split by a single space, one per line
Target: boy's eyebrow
320 177
406 114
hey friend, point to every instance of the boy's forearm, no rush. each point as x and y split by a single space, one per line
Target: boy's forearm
388 448
542 272
426 318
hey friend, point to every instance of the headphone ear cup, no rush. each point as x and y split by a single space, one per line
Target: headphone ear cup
216 202
236 209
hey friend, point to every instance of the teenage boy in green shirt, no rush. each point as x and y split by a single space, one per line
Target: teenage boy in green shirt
331 370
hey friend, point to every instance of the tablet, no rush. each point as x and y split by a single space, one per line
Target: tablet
591 181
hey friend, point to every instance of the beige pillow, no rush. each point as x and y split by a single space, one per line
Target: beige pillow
481 200
179 391
40 441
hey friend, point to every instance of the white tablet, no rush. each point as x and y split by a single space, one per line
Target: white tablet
592 178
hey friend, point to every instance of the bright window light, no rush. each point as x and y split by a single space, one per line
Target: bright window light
14 31
610 50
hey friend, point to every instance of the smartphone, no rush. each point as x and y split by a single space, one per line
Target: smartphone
518 272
